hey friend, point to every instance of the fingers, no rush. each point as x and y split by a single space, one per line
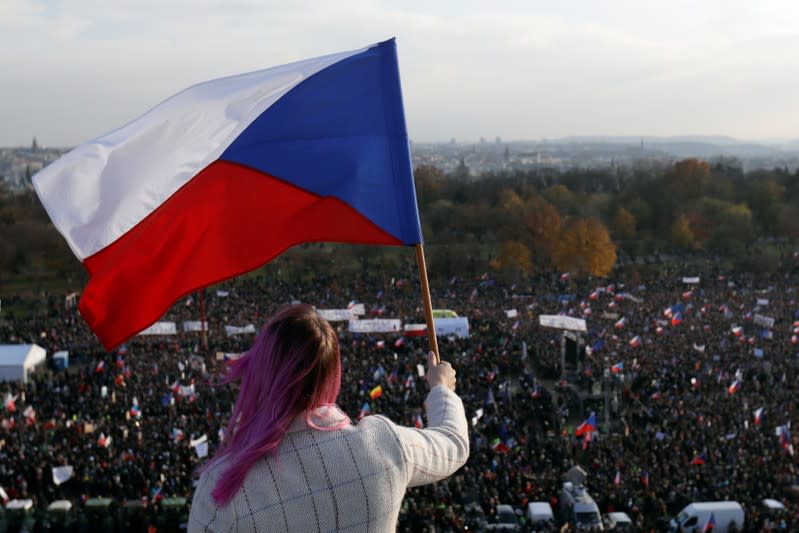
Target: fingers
432 359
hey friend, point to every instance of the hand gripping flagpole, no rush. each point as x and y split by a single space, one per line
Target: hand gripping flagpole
428 305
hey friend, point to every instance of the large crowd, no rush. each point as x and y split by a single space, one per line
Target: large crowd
700 410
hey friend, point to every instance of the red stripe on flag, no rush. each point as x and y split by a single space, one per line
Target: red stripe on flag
226 221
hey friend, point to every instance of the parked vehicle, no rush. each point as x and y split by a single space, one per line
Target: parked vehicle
617 522
506 520
540 512
578 507
695 516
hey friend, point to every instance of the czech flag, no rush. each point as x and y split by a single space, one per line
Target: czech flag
735 387
710 524
635 341
738 331
226 175
699 459
620 323
758 416
588 425
676 320
784 433
645 478
617 368
415 330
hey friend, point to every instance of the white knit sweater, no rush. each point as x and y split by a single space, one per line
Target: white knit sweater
352 479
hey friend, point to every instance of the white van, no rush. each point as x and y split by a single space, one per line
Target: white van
540 512
578 507
694 517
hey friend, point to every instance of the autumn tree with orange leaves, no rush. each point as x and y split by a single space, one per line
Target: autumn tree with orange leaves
585 247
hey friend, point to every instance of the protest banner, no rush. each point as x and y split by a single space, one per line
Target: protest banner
161 328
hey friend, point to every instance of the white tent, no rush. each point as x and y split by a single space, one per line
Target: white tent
19 360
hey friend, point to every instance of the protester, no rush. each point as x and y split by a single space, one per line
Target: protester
291 450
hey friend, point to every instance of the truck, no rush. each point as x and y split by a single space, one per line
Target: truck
578 507
695 516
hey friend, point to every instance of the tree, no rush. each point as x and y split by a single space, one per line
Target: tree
542 222
585 247
430 181
515 258
687 179
765 198
562 198
788 222
681 234
623 224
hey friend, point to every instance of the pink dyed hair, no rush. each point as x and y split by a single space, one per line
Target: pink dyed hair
294 367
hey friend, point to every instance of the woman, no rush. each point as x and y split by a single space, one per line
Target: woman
292 461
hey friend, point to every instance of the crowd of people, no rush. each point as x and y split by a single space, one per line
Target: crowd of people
701 392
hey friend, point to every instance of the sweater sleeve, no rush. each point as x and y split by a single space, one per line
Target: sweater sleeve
440 449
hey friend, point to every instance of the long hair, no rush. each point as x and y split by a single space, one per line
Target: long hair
293 367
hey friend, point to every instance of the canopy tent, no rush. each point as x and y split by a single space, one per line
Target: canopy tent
17 361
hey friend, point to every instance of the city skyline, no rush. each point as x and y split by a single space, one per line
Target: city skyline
518 70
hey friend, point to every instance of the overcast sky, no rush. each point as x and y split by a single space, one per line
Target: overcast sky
74 69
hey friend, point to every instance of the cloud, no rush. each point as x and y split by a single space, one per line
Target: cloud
78 68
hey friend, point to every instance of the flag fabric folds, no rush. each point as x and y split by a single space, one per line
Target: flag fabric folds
226 175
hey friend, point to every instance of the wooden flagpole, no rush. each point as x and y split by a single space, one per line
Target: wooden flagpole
428 305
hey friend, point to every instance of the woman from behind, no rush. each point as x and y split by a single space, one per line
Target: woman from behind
292 461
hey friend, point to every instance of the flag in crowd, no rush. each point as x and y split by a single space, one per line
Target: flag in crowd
588 425
700 459
758 416
784 434
635 341
710 525
30 415
734 387
9 402
376 392
617 368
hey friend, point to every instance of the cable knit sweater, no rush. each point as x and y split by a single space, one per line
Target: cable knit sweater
350 479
